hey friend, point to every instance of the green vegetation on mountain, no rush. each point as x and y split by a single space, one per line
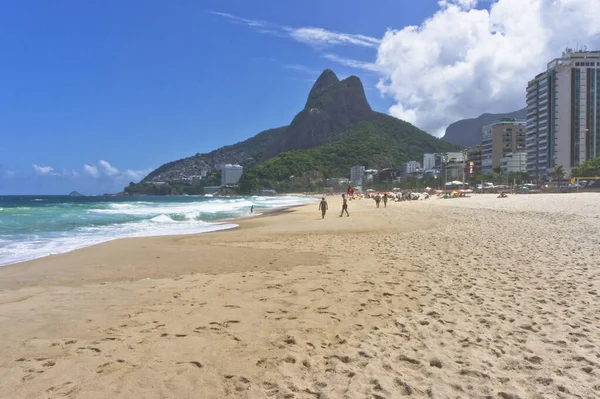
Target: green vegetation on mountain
247 153
382 142
590 168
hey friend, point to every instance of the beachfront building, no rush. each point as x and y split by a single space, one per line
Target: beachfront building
474 155
432 164
453 164
411 167
499 139
563 114
514 162
230 174
357 174
429 161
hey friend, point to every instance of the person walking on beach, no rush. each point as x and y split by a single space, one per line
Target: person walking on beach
385 199
344 206
252 209
377 200
323 207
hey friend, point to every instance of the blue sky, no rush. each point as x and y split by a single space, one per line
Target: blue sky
95 94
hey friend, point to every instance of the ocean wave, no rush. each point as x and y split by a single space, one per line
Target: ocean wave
232 206
36 246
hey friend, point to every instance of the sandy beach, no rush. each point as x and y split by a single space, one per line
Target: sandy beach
473 297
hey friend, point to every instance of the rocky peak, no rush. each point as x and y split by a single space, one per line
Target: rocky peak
326 79
346 93
332 106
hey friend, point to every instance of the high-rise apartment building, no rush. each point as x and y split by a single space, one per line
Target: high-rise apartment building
428 161
230 174
500 138
357 174
563 114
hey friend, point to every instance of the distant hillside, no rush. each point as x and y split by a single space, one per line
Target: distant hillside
467 132
247 153
380 142
336 129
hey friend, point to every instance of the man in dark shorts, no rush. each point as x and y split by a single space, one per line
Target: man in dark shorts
344 206
323 207
385 199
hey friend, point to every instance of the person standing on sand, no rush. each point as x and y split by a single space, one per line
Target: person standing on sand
377 200
385 198
344 206
323 207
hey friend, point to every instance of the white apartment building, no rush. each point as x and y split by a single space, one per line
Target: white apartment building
563 114
230 174
429 161
357 174
411 167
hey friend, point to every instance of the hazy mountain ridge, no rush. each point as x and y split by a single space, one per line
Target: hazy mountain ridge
467 132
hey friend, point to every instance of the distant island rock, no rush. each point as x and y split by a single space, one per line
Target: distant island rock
75 194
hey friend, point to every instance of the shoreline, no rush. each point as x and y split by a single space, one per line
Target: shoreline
233 221
474 297
53 264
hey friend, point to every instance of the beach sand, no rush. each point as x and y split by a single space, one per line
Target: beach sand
470 297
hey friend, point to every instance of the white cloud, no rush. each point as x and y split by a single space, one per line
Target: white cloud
367 66
105 170
464 4
303 68
136 175
91 170
238 20
313 36
463 62
322 37
108 169
43 170
9 174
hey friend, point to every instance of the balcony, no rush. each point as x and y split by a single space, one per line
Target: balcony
531 112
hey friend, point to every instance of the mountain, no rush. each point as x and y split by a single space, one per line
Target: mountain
336 129
467 132
332 106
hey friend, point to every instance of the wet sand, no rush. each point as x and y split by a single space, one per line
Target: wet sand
470 297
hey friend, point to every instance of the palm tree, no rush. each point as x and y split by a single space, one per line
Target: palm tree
559 173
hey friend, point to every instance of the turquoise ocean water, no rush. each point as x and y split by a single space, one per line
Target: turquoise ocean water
36 226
